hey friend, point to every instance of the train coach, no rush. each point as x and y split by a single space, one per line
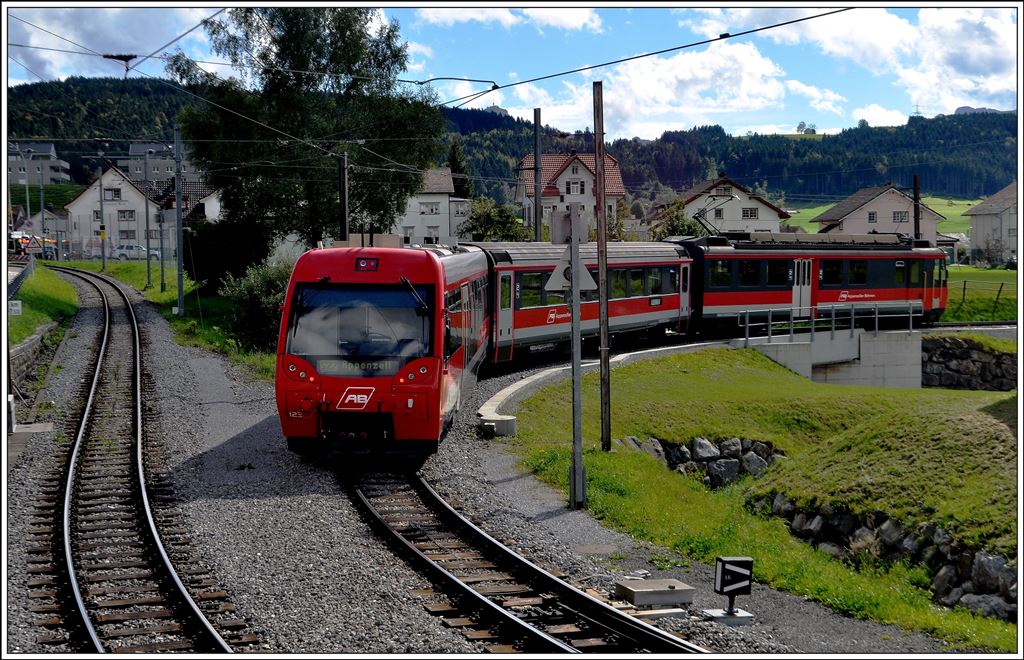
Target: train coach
377 346
744 276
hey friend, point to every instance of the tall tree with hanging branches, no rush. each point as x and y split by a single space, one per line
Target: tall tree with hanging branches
308 85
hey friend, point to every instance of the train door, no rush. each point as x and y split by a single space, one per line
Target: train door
684 292
503 345
802 273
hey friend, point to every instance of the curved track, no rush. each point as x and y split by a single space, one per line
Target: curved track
494 595
122 582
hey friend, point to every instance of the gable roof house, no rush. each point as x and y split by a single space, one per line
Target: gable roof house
567 179
124 217
433 215
994 224
882 210
726 206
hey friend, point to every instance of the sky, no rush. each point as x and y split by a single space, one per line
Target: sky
877 62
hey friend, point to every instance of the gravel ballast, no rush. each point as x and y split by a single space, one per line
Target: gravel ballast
309 573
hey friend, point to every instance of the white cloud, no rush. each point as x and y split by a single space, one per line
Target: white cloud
449 17
131 30
419 49
876 115
650 95
873 38
824 100
565 18
969 58
765 129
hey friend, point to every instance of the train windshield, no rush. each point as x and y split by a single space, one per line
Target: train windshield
360 330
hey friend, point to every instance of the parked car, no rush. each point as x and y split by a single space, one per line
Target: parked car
1011 264
125 252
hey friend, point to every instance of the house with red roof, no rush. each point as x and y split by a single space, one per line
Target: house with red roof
568 179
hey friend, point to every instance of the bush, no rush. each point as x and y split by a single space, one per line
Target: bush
257 299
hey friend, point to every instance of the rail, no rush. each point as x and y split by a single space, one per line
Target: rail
795 317
200 620
26 272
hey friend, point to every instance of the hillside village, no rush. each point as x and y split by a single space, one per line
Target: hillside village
139 192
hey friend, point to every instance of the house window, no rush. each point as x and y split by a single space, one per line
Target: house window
169 169
574 188
432 235
461 210
872 216
21 169
407 234
154 233
1011 231
575 169
111 194
138 170
430 208
96 217
723 190
900 216
126 234
750 213
719 214
126 215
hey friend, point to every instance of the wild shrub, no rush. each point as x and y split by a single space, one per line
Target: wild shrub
257 298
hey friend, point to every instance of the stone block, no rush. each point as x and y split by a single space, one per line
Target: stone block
654 593
723 471
985 572
944 579
753 463
702 450
732 448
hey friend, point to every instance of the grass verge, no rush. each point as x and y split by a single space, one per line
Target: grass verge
44 297
863 447
206 321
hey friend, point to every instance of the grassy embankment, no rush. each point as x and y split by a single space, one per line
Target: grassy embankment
975 295
858 447
44 297
206 321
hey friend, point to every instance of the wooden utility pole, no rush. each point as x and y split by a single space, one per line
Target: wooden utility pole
343 195
602 269
537 208
917 206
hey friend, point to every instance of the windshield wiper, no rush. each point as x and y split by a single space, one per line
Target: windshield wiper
422 305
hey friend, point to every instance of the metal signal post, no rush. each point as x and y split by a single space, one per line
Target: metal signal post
602 269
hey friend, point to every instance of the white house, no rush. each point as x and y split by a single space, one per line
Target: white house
433 215
568 179
726 206
881 209
994 224
123 218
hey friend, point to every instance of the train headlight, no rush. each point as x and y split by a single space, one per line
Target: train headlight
291 367
423 370
302 374
410 375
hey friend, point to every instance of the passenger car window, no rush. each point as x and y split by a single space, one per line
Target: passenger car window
719 273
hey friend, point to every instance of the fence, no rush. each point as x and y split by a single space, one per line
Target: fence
26 272
806 317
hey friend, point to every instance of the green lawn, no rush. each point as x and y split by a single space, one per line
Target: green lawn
978 294
858 447
207 320
805 212
44 297
953 210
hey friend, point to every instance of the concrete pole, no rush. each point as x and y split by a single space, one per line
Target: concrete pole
343 194
145 195
602 269
578 478
177 206
103 221
42 216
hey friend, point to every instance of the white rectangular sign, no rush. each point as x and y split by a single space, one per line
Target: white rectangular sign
14 308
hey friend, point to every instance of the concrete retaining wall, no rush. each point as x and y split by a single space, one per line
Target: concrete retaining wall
25 354
888 359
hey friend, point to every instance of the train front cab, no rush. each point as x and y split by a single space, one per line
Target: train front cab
359 358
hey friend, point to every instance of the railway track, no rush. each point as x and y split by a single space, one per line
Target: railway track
102 574
493 595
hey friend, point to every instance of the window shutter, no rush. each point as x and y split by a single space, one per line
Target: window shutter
568 190
582 185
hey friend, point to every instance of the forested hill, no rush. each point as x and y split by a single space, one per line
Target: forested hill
966 155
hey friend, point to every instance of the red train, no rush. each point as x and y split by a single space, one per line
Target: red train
378 345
